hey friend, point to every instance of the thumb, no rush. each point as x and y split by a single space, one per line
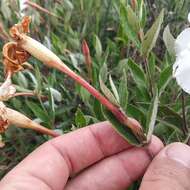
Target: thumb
169 170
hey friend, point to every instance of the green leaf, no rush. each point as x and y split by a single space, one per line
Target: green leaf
151 36
103 72
123 130
51 111
106 91
84 94
165 78
80 120
133 20
114 89
123 91
38 111
22 81
169 41
97 108
137 73
56 94
98 46
128 30
170 116
137 113
151 117
68 5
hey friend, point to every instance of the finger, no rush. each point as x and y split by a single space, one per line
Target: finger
52 163
169 170
116 172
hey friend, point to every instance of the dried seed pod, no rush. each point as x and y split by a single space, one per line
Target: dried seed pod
12 117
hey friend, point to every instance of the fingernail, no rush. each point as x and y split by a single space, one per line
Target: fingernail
179 152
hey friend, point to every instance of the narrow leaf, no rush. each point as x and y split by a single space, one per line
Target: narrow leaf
133 20
170 116
151 36
97 108
106 91
169 41
38 111
114 89
80 120
165 78
98 47
123 130
151 118
138 74
104 72
123 91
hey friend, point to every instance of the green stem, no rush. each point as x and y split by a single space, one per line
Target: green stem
185 127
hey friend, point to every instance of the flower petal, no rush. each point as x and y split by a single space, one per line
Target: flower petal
183 41
181 70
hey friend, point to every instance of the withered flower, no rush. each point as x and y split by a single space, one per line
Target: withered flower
14 60
11 117
14 57
7 90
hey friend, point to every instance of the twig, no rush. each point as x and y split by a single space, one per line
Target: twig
38 7
29 94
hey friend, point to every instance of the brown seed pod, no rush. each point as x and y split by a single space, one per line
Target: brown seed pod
11 117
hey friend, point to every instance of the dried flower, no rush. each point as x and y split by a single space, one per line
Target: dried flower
14 57
7 90
11 117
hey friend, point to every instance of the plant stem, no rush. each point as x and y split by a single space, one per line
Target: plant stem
29 94
149 76
43 54
185 128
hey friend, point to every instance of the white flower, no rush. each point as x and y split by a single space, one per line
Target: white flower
181 67
189 17
183 41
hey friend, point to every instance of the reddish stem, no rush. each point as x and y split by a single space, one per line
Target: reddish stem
119 114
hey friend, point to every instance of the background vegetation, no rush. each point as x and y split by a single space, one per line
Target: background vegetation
115 42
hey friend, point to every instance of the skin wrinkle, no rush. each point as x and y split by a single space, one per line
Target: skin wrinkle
125 170
97 142
116 144
65 157
132 178
129 170
167 172
23 178
41 180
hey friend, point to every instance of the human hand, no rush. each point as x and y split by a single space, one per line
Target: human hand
97 158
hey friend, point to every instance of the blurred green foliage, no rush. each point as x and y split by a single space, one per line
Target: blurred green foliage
131 68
